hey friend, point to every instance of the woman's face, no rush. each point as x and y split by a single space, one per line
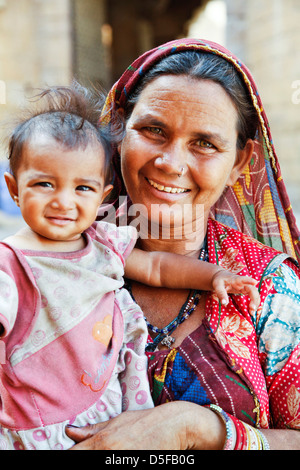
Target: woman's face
180 123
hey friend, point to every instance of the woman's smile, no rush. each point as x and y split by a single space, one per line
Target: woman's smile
166 188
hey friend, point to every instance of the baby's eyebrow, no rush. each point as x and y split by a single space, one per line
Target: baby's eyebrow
38 175
88 181
77 181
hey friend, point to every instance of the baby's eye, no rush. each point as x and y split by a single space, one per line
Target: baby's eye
82 187
44 184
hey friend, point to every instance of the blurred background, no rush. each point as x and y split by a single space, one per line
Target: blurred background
48 42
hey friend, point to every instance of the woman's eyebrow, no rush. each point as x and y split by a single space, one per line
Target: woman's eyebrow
149 119
214 137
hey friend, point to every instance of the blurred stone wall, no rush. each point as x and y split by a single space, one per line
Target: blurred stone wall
35 50
266 35
92 38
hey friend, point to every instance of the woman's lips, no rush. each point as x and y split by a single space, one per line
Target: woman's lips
167 189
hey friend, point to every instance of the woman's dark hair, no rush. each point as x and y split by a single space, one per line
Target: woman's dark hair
206 66
71 116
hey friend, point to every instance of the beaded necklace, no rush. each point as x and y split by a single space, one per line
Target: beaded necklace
164 336
186 310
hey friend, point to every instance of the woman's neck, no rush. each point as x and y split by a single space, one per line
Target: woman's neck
188 245
185 239
171 246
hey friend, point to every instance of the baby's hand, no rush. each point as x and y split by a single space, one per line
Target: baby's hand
225 281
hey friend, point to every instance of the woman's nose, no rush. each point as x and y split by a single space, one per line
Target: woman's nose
172 160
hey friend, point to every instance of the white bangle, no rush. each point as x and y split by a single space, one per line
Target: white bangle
265 444
230 428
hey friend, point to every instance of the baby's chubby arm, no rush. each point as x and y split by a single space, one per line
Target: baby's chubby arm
162 269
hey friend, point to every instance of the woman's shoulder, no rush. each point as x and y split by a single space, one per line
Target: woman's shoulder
239 252
221 233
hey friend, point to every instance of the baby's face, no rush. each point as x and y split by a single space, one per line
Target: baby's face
60 190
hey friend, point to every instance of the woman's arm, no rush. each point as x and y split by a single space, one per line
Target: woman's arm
173 271
175 425
171 426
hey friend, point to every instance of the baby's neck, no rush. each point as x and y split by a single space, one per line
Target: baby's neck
26 239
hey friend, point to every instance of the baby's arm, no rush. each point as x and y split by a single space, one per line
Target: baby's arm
161 269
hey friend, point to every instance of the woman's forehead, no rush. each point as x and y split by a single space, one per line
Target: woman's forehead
184 88
184 99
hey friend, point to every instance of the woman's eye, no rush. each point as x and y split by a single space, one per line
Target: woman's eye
154 130
205 144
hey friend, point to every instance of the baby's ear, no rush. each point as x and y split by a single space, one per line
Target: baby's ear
12 186
108 188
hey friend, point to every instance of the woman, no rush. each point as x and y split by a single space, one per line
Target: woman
197 137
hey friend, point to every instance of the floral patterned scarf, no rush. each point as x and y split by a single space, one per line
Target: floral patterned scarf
258 204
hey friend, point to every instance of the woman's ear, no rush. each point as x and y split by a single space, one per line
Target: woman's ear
243 158
119 147
12 186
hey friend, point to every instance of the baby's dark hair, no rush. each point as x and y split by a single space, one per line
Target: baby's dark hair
70 115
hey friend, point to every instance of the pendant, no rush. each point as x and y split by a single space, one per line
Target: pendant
168 341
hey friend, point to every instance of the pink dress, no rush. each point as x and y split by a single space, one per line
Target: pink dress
74 340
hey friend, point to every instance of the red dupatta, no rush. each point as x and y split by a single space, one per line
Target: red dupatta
258 204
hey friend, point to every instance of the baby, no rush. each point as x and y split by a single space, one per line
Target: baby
74 338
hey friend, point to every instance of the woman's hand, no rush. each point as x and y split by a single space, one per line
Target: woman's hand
171 426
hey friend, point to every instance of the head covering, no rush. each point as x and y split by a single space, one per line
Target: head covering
258 204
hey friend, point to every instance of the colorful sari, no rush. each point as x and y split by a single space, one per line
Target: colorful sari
247 365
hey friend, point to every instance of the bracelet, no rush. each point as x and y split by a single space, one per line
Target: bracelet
248 437
264 441
240 435
230 428
253 441
256 439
